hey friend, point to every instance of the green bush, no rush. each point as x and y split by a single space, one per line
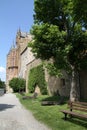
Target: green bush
17 84
37 77
2 84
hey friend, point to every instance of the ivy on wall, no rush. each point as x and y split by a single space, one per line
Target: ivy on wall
37 77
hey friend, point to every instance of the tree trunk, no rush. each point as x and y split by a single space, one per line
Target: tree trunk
75 89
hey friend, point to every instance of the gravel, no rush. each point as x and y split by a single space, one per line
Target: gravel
13 116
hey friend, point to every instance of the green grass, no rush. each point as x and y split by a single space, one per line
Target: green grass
51 115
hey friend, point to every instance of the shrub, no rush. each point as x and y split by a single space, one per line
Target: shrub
2 84
17 84
37 77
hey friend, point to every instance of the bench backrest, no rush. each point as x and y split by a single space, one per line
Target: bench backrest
81 106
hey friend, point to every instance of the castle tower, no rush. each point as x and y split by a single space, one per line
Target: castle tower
12 66
22 40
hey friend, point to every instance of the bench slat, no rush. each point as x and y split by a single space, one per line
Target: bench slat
75 114
80 106
80 109
81 103
83 109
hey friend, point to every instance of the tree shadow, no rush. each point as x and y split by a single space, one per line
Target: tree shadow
77 121
59 100
5 106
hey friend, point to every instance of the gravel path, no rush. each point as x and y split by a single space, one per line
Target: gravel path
13 115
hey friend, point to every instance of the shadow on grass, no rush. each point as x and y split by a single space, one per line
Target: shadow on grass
5 106
77 121
58 99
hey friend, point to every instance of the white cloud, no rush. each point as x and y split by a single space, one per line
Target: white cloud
2 69
2 73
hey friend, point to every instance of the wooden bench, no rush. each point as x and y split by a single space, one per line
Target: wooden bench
48 103
76 109
34 96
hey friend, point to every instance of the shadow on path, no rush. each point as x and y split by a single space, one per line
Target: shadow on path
5 106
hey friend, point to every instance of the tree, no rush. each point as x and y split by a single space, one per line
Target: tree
58 35
2 84
80 11
17 84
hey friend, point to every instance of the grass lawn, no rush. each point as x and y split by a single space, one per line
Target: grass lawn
51 115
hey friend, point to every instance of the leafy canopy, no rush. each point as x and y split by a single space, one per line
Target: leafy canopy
80 11
58 34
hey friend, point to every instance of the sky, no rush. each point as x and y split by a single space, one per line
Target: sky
14 14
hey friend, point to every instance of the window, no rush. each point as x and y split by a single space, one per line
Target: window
63 81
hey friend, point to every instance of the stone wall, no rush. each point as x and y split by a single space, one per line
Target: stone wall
57 85
61 85
26 57
54 85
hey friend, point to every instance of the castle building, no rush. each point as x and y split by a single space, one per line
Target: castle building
16 63
20 60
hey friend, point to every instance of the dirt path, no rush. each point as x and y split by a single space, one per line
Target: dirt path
13 116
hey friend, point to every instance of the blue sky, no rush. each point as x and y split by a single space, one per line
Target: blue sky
14 14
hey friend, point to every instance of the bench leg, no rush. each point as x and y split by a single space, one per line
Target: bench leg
65 116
